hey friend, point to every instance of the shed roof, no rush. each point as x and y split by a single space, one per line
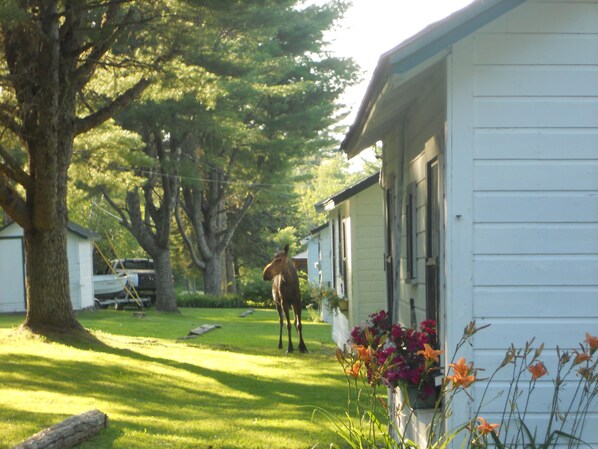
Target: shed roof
319 228
73 227
432 41
334 200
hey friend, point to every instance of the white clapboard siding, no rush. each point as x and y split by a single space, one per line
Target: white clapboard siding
367 247
534 168
558 331
534 302
543 144
535 270
535 81
508 175
535 207
535 49
535 112
534 238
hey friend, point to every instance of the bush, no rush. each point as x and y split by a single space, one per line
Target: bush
198 300
255 289
307 292
259 292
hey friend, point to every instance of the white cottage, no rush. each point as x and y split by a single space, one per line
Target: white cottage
489 125
12 267
319 262
357 252
319 256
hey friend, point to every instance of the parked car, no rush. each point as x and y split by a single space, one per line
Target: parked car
141 272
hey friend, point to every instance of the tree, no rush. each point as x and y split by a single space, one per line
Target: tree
51 53
148 209
277 94
328 175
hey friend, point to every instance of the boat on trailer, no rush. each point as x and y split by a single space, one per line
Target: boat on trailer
116 290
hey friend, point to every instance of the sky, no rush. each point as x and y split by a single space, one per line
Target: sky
372 27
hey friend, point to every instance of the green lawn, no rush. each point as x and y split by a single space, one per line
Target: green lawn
230 388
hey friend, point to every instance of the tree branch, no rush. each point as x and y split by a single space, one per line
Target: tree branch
12 169
110 30
8 121
14 205
138 226
188 243
91 121
123 218
233 227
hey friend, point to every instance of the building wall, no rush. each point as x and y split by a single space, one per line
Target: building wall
363 283
522 196
368 280
319 264
319 252
12 270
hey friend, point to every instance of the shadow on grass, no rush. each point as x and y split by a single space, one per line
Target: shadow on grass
163 394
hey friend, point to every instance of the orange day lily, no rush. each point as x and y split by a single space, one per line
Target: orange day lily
538 370
364 354
461 376
581 357
593 342
354 370
484 428
429 353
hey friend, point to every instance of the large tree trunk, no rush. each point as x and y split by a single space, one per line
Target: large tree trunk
49 59
48 294
165 297
212 277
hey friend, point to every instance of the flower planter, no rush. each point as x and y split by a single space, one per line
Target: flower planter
415 401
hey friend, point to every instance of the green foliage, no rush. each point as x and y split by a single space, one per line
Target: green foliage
287 236
195 300
255 289
11 11
326 298
324 178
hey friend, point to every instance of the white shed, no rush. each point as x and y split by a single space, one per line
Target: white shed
12 267
489 124
356 226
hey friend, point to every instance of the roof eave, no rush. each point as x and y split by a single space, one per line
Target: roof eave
421 47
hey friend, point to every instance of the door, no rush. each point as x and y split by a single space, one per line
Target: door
388 257
12 275
433 229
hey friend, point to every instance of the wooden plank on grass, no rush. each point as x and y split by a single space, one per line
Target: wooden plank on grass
201 330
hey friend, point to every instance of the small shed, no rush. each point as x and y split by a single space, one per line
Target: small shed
356 223
489 125
12 267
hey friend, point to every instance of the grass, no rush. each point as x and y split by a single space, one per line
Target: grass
230 388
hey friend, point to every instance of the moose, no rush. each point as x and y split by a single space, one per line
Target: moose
286 294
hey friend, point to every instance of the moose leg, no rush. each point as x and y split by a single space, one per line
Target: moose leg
279 310
299 327
290 347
